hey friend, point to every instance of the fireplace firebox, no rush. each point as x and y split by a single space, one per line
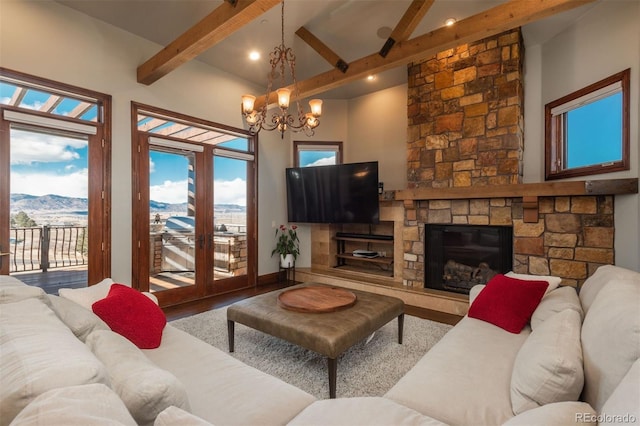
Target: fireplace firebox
457 257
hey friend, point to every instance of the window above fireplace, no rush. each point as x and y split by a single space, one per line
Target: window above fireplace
587 131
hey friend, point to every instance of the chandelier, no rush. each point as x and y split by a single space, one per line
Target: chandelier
282 120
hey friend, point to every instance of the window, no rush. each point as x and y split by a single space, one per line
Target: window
55 157
587 132
317 153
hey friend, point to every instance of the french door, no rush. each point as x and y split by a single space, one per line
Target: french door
193 209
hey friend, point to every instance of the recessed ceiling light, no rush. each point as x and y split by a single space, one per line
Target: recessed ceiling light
254 55
371 77
450 21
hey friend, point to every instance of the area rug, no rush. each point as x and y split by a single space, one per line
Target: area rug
370 368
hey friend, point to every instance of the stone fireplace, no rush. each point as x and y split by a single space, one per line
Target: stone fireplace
572 237
465 134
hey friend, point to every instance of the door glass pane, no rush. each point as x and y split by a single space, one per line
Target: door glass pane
172 220
230 217
48 210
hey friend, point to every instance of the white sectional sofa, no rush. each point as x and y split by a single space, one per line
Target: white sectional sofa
575 362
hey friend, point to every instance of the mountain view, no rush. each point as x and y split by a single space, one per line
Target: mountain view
57 209
58 203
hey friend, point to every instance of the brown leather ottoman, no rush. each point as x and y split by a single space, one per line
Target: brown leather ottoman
329 334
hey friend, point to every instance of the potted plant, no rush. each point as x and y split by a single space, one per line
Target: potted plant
287 245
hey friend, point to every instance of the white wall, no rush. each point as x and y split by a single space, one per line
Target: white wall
606 40
378 131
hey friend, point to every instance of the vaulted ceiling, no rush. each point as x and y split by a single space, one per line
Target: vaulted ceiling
322 32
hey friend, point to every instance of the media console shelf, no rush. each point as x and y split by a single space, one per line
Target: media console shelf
370 241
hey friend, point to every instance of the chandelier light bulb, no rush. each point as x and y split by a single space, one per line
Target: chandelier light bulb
248 101
284 95
316 107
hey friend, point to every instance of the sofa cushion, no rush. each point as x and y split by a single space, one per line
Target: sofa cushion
172 416
592 286
610 339
145 388
556 301
624 403
39 353
556 414
13 290
554 282
508 302
231 381
87 296
548 367
465 378
79 320
474 292
365 411
94 404
133 315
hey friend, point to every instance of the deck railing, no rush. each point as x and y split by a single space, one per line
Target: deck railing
47 247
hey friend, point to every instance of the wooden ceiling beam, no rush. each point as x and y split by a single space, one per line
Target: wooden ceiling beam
219 24
325 51
496 20
409 21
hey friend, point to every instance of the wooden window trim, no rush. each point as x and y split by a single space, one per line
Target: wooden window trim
554 137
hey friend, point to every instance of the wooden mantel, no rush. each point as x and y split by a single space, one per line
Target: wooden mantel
529 192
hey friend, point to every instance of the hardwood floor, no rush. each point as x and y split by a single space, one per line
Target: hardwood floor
196 307
214 302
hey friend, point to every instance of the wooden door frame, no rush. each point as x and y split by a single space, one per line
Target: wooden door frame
140 225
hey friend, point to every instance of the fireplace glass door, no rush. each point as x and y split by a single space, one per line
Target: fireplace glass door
458 257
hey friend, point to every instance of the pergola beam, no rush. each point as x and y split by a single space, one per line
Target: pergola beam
215 27
409 21
325 51
496 20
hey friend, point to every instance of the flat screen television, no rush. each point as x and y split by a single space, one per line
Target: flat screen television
343 193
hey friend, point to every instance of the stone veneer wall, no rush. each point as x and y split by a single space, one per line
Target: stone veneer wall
572 238
465 113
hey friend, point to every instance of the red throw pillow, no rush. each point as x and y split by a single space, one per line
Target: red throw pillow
508 302
133 315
